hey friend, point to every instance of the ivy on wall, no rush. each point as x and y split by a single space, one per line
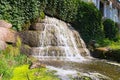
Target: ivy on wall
84 16
19 11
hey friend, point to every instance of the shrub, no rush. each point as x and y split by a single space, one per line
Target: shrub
88 22
5 71
110 29
11 57
63 9
19 11
84 16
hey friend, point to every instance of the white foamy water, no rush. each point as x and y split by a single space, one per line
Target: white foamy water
68 74
59 42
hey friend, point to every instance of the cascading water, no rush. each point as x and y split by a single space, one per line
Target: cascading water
57 44
59 41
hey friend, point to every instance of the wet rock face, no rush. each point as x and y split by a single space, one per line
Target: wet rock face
31 38
53 37
37 26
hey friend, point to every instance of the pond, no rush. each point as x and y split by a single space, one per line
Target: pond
93 69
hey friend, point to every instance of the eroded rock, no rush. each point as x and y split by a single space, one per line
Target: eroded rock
31 38
37 26
7 35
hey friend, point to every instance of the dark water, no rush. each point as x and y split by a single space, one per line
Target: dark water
95 66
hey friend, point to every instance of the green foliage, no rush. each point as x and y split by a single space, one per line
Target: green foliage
42 15
113 54
111 44
62 9
89 22
5 70
13 50
8 62
19 11
85 17
24 73
11 57
110 29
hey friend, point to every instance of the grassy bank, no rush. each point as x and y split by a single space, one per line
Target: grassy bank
8 62
107 49
14 66
24 73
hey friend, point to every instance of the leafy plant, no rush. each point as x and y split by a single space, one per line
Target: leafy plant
24 73
84 17
10 58
110 29
89 22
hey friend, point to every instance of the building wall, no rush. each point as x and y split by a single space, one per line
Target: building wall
109 11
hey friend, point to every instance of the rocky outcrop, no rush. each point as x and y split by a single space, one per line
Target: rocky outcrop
106 53
37 26
25 49
7 35
53 38
5 24
31 38
100 52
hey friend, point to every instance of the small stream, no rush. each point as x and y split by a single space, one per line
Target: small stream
93 69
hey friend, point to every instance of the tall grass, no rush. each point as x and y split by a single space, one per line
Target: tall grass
10 58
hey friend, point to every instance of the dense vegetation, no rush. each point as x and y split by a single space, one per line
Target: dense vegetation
89 22
24 73
84 16
9 59
15 66
19 12
111 29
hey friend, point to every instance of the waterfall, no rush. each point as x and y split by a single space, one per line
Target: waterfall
56 40
59 41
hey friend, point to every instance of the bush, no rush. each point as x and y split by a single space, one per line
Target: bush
88 22
110 29
5 71
10 58
63 9
19 11
84 16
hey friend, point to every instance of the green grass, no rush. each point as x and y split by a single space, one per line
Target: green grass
10 66
24 73
109 43
9 62
114 53
10 58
